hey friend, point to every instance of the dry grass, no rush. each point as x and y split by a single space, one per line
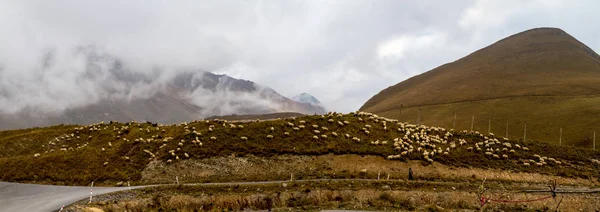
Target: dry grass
82 165
228 169
336 196
542 76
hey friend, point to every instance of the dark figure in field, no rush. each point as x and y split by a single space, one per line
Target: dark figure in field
410 174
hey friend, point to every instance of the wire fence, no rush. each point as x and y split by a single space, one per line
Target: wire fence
512 128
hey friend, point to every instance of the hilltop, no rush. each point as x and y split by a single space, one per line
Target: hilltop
542 76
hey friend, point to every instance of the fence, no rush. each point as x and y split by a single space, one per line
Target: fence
514 128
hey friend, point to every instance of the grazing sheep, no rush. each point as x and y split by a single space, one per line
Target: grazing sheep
488 153
526 164
316 131
539 164
296 129
186 155
102 149
505 156
525 148
330 120
213 138
316 137
315 126
269 137
105 163
36 155
470 149
286 133
272 129
244 138
302 122
324 136
334 134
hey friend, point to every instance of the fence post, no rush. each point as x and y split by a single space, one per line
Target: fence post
472 120
489 125
560 138
525 132
177 179
506 128
400 116
292 177
454 123
91 192
419 117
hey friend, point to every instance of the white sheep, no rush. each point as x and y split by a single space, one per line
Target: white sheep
244 138
105 163
316 131
36 155
316 137
269 137
213 138
324 136
286 133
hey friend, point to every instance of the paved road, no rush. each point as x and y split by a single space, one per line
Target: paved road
30 197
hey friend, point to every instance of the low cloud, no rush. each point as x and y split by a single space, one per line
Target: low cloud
62 54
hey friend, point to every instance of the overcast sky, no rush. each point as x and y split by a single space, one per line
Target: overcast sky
342 52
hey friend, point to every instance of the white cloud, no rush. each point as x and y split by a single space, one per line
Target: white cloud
341 51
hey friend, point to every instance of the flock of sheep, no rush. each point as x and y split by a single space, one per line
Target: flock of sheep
426 143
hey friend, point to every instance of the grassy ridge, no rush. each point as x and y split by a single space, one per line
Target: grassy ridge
542 76
126 158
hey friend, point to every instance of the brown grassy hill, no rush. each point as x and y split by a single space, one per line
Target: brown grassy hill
543 76
111 152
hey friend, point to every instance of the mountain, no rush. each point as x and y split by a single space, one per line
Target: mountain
186 96
309 99
543 77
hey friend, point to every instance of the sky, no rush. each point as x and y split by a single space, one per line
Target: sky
342 52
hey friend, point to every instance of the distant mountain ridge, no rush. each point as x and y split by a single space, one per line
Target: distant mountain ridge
309 99
185 96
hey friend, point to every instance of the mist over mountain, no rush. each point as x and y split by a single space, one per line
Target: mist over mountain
309 99
88 85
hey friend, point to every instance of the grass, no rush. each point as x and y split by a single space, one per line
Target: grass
82 165
544 77
314 196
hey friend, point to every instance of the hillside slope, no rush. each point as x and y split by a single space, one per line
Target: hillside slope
111 152
543 76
